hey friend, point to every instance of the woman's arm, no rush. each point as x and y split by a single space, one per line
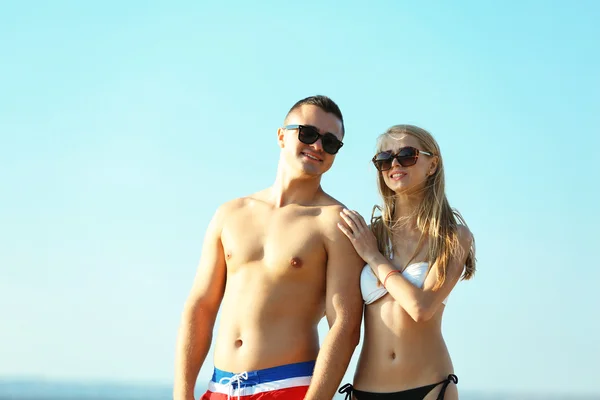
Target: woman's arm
420 303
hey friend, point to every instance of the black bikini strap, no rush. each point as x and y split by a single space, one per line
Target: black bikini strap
450 379
347 389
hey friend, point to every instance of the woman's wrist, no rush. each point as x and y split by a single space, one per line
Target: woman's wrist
389 274
375 258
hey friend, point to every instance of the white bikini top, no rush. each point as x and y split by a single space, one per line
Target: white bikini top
415 273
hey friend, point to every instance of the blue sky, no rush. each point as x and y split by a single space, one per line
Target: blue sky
123 126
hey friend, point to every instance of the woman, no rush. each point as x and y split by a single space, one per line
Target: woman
416 252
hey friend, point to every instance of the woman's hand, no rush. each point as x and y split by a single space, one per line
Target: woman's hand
360 235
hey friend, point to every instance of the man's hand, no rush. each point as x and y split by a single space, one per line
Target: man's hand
200 311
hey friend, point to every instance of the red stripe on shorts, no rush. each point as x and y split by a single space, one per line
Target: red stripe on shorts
293 393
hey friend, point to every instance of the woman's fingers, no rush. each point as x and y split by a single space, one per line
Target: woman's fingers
359 219
345 230
350 221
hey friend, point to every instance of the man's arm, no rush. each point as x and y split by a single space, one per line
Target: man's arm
200 311
344 308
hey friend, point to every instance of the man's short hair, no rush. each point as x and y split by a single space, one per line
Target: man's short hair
324 103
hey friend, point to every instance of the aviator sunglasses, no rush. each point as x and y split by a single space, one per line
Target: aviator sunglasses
406 156
309 135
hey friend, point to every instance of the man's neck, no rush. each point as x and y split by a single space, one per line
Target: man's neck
288 189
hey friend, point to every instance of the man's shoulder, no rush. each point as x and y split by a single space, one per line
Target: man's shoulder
330 205
230 205
336 242
234 205
330 217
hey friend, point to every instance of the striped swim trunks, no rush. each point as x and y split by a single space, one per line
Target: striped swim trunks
284 382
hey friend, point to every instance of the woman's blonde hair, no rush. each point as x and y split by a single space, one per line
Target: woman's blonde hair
435 219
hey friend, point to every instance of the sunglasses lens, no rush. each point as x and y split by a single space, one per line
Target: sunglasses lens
307 135
383 161
331 144
407 156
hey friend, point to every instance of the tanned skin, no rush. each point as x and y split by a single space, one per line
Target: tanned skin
273 264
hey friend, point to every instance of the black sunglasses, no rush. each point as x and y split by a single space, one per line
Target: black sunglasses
308 135
406 156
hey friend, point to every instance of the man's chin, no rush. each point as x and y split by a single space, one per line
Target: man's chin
313 171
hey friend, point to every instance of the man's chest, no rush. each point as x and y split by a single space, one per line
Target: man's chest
275 240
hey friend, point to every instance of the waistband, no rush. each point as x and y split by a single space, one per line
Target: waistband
267 375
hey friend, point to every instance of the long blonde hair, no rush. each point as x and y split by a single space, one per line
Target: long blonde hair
435 219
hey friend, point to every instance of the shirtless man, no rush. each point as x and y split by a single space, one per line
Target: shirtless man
275 263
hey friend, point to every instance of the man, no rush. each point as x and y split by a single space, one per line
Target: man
275 263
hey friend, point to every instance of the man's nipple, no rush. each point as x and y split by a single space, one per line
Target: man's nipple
296 262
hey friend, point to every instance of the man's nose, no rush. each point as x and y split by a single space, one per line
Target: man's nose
318 145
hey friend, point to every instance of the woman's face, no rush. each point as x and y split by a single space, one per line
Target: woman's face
410 178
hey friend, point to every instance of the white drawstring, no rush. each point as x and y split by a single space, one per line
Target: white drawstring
230 381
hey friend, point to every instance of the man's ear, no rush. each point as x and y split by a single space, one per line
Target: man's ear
280 136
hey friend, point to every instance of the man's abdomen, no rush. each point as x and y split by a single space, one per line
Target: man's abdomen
267 322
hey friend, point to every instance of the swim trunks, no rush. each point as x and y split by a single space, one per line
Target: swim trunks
289 381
